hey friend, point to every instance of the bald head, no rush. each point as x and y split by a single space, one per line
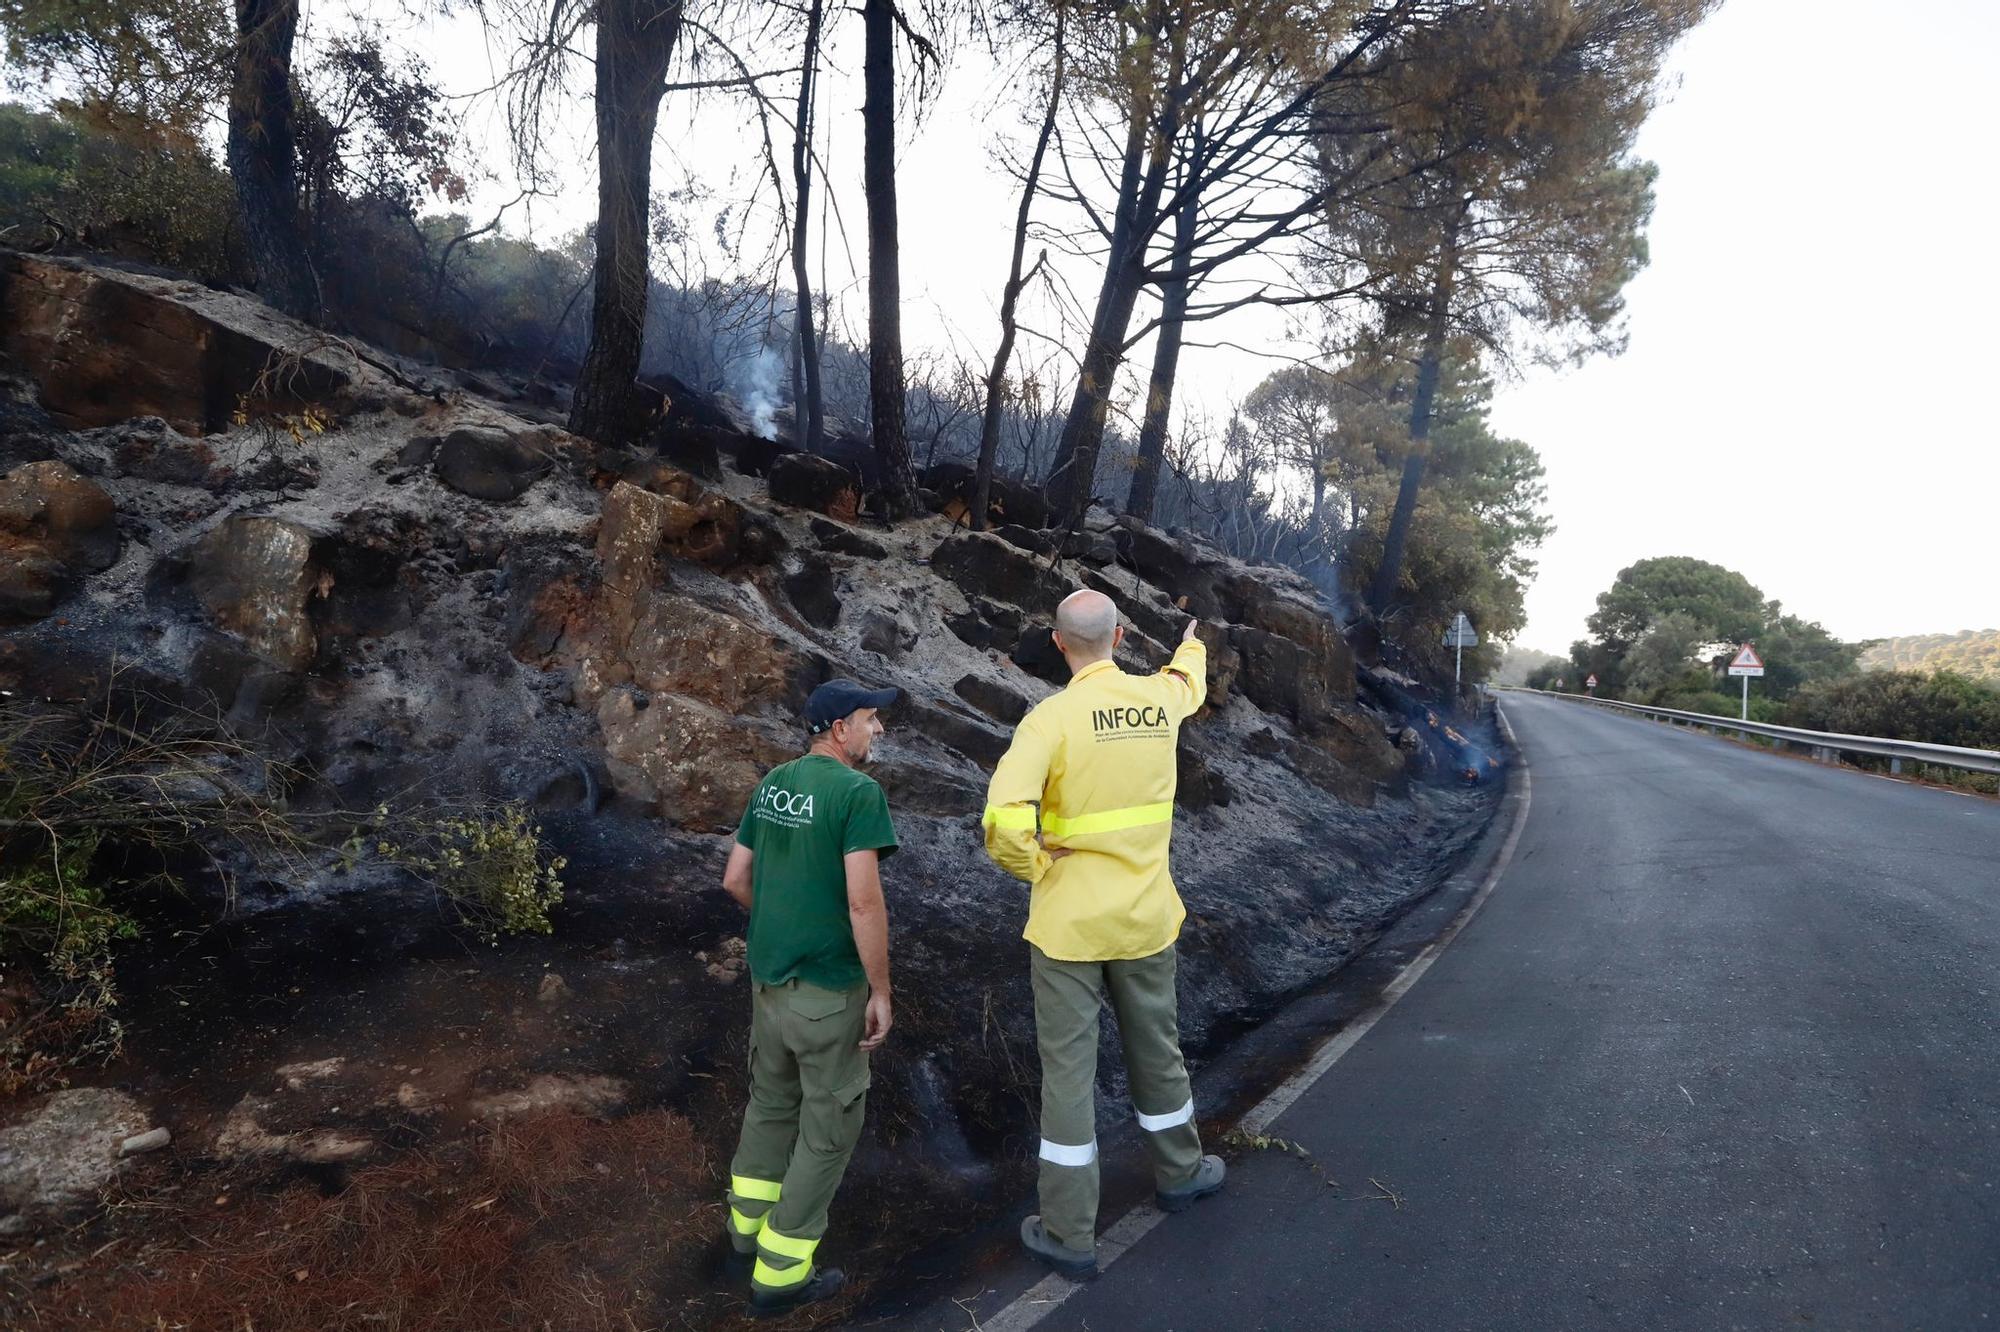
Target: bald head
1088 623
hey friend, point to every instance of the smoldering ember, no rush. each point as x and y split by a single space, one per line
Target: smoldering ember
433 607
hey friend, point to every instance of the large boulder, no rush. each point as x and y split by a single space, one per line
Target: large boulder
841 539
255 577
630 534
105 346
1278 606
1008 501
671 517
982 565
1180 567
683 647
987 625
991 697
49 503
55 527
1291 679
1146 609
696 765
806 481
58 1156
813 592
491 463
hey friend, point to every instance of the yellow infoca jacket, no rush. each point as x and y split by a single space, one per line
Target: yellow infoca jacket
1098 759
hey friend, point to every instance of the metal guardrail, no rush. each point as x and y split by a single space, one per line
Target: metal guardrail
1825 744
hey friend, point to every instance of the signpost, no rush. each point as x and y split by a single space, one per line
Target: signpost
1590 685
1746 664
1461 635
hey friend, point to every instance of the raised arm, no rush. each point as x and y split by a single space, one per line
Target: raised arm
1187 673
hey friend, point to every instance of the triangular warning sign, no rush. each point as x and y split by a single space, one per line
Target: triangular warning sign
1747 656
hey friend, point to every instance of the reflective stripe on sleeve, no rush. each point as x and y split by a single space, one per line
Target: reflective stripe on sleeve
1056 1153
1110 820
1160 1123
754 1190
1014 817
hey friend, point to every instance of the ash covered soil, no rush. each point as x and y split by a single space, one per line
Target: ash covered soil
410 594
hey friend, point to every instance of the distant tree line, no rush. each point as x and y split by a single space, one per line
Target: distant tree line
1664 632
1973 652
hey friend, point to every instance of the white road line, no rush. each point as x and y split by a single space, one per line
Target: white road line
1050 1293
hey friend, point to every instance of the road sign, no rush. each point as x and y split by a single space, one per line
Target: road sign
1747 662
1591 683
1459 637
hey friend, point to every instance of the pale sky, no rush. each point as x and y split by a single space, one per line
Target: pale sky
1796 401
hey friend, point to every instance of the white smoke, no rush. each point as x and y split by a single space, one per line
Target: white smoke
757 383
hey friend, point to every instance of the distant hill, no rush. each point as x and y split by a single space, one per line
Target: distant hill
1974 652
1518 661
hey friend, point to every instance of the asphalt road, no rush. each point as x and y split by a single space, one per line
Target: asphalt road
1721 1050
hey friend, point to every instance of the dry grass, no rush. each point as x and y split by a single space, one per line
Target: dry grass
558 1223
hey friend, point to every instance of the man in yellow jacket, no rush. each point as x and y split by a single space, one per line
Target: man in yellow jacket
1082 807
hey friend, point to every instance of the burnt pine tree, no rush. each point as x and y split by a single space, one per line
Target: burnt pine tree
885 317
635 45
808 403
1215 93
262 155
1017 281
1166 362
1512 210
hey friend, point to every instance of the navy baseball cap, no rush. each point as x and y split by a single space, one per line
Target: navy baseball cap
839 698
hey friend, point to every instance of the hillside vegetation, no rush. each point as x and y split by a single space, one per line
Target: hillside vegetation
1974 652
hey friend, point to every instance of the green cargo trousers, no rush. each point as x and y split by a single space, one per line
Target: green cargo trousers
808 1090
1068 996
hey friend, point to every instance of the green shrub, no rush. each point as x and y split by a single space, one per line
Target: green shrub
1718 704
489 862
84 798
1939 708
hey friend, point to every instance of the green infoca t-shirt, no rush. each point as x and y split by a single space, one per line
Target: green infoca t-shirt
804 817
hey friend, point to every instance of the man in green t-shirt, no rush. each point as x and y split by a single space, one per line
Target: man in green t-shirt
806 864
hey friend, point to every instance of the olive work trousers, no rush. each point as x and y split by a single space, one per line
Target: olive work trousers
1068 997
808 1091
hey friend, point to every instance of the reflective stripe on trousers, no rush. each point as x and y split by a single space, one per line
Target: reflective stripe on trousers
1161 1123
1056 1153
750 1204
783 1261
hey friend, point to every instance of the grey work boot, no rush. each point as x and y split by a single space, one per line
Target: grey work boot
824 1282
1077 1264
1207 1179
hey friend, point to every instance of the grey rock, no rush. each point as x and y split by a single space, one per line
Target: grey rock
492 464
57 1157
149 1141
254 577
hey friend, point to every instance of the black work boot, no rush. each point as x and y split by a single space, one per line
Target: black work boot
737 1263
1207 1179
1076 1264
824 1282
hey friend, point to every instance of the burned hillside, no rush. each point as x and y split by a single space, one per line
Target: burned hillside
395 590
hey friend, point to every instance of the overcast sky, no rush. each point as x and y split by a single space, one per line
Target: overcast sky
1797 399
